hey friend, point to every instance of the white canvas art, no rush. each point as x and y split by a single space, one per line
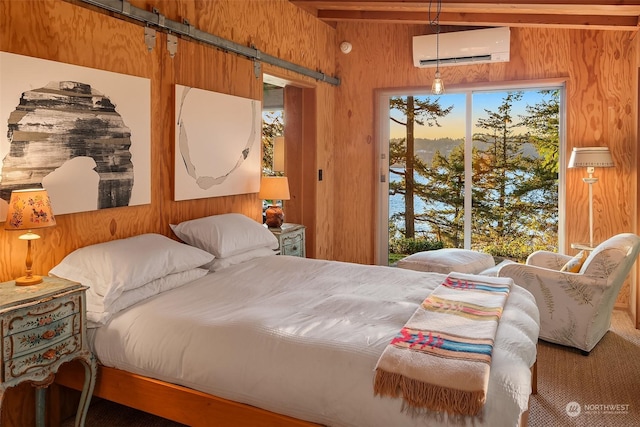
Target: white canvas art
83 134
217 141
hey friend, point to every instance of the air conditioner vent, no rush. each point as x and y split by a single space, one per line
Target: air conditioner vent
463 47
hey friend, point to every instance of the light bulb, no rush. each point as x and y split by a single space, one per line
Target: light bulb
437 88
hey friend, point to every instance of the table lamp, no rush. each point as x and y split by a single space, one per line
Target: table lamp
28 210
274 188
590 158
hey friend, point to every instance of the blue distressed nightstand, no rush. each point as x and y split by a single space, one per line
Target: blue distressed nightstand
291 238
44 326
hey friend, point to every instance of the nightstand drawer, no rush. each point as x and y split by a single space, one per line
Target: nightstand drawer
32 331
293 244
37 360
16 345
41 315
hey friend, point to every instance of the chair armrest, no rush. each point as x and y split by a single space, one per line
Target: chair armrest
546 259
534 278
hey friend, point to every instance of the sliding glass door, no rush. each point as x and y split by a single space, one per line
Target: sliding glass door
504 142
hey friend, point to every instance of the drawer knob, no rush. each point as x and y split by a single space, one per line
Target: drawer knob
49 334
49 354
295 248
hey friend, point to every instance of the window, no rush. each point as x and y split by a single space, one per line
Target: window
272 125
504 141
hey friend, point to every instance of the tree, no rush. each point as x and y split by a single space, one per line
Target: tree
444 194
421 111
272 126
501 168
518 202
543 122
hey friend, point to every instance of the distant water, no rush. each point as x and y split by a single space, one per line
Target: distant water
396 204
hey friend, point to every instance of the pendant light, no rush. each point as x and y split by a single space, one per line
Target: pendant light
437 88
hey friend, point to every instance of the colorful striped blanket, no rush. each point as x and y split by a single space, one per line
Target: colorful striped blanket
440 360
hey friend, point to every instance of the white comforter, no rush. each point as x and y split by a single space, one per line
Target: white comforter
301 337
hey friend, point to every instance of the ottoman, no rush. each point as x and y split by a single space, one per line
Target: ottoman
447 260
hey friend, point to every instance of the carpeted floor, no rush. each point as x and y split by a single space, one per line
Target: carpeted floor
601 389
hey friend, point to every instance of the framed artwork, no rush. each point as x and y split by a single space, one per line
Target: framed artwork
83 134
217 144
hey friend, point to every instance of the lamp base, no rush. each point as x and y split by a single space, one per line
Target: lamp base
28 281
274 216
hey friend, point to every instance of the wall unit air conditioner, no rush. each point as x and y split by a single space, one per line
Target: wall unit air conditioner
463 47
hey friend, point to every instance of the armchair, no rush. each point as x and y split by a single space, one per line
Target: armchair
575 308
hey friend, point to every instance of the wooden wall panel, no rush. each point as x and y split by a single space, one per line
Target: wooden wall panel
70 33
326 220
41 29
601 72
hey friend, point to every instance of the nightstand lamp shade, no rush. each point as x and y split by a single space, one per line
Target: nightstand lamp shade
590 158
29 210
274 188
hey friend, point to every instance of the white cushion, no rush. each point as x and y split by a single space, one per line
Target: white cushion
447 260
113 267
225 235
220 263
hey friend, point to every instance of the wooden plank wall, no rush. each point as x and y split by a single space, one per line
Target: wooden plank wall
601 72
600 67
72 33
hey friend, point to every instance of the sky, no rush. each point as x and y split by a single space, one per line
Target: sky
453 125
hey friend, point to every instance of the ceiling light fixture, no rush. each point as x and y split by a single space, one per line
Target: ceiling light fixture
437 88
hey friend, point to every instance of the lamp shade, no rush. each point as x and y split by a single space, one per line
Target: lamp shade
274 188
29 209
590 157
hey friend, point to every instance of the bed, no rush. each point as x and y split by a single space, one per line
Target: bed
274 340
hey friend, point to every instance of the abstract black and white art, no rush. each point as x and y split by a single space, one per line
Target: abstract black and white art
81 133
217 144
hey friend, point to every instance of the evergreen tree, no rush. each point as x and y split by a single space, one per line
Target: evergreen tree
518 201
543 122
444 195
420 111
502 170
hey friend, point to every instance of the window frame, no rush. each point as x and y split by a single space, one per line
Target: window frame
382 126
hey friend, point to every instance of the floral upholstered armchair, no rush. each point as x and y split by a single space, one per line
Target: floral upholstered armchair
576 307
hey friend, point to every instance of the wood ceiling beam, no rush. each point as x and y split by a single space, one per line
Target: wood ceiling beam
514 4
596 14
625 23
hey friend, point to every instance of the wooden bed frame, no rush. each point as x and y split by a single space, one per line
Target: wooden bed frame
185 405
174 402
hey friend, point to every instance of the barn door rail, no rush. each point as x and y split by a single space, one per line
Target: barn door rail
156 19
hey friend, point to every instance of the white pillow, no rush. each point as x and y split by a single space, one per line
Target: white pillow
98 313
113 267
220 263
225 235
448 260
